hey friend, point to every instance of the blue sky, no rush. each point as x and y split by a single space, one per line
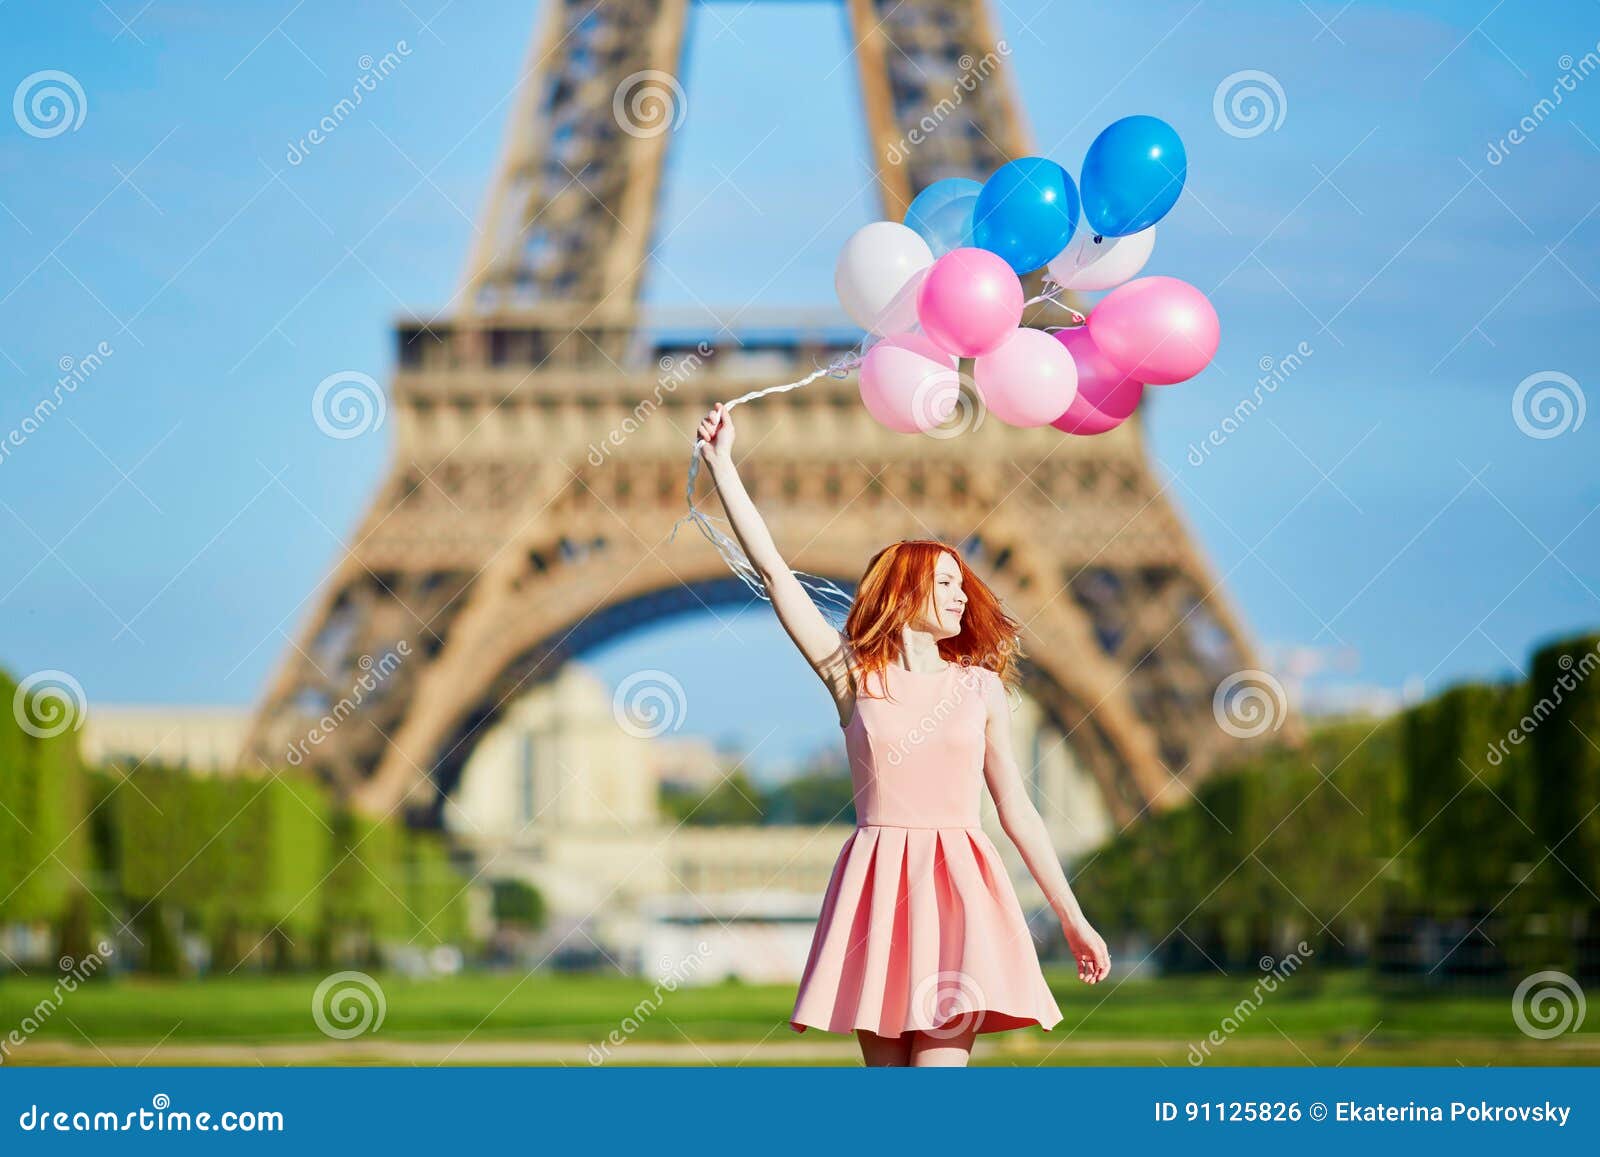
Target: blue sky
1383 508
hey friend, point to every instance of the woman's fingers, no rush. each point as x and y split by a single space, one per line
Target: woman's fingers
1094 964
716 427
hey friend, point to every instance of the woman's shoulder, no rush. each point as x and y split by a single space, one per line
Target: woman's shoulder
980 676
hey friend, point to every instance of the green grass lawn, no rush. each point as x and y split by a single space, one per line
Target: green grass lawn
1323 1019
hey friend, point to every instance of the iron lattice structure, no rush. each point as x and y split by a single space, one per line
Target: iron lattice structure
496 551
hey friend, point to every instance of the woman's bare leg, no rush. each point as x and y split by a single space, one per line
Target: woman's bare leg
884 1051
943 1050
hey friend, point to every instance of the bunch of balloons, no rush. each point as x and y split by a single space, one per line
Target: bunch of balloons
945 284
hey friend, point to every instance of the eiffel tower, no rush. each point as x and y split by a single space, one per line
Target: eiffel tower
489 559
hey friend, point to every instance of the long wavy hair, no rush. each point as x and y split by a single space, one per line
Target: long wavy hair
894 591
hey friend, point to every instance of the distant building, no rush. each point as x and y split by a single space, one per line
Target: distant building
688 762
202 739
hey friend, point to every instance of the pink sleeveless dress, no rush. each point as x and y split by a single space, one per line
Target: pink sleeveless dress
920 929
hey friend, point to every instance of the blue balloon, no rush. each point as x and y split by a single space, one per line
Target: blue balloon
950 226
1132 176
931 216
1026 213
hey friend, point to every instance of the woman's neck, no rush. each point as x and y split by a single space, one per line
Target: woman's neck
919 651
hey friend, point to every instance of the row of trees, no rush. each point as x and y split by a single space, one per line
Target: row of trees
43 844
267 869
1474 813
819 795
269 866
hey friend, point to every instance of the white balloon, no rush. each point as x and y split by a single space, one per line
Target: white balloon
878 274
1089 265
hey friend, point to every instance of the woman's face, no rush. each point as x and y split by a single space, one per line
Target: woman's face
948 602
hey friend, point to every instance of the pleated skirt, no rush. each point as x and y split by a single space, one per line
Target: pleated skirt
921 931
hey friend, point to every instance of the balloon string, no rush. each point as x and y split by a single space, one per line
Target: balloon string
830 599
1050 297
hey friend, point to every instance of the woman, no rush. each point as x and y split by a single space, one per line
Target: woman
921 943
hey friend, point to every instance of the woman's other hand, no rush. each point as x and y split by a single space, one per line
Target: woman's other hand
1089 949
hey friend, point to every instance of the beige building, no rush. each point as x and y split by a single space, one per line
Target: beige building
202 739
687 762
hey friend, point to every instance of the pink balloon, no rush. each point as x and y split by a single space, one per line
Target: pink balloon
909 384
1106 395
970 302
1029 380
1157 329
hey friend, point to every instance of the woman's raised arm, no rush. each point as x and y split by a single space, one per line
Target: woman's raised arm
818 640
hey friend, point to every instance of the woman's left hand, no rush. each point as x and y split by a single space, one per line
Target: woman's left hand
1089 949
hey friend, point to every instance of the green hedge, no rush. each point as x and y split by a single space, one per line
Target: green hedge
1562 723
435 893
1460 801
1446 809
1295 845
268 862
364 891
262 865
43 845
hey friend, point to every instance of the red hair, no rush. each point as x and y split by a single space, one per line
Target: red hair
894 592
